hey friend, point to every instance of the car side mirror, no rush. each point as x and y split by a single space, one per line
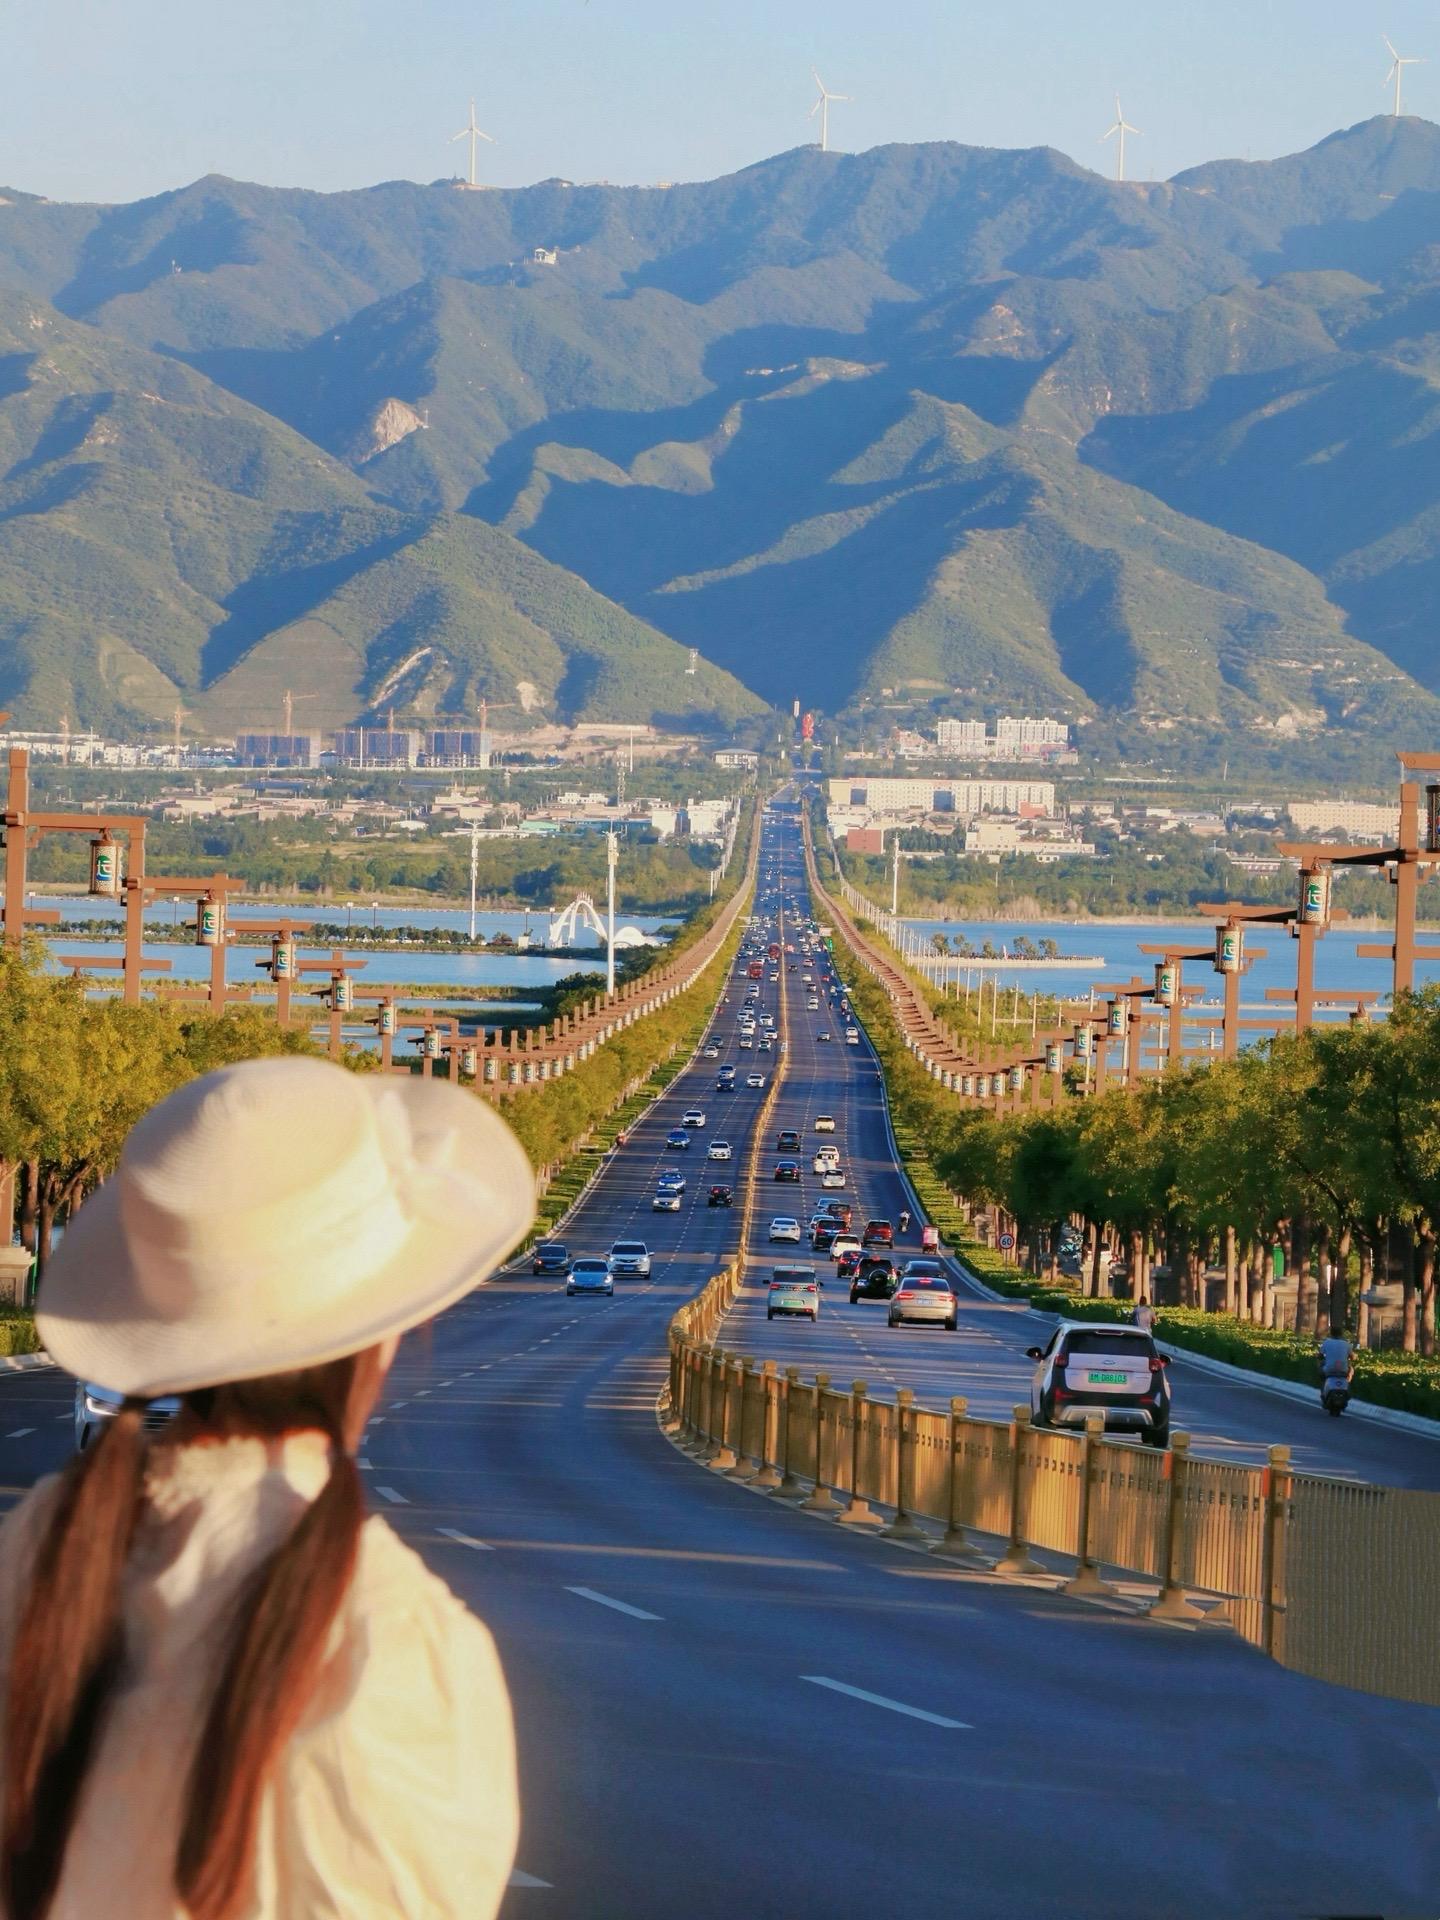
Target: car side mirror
1034 1353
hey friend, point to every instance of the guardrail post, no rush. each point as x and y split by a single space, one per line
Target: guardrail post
903 1527
857 1513
1275 1491
746 1465
1173 1603
1086 1583
767 1477
726 1459
821 1500
1018 1562
955 1543
697 1441
790 1487
717 1407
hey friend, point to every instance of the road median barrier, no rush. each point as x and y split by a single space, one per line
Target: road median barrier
1291 1562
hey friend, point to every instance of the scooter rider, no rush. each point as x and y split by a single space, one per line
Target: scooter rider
1337 1363
904 1219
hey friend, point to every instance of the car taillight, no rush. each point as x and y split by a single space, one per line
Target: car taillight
904 1294
1157 1365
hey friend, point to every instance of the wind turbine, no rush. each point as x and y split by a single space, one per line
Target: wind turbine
1122 126
822 107
471 132
1399 62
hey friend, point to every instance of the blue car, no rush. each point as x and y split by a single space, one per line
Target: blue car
678 1138
671 1181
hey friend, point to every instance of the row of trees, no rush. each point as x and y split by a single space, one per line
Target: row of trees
77 1073
1326 1144
1022 947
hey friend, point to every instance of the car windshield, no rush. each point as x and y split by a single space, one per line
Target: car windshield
551 1249
1136 1345
917 1270
629 1246
589 1266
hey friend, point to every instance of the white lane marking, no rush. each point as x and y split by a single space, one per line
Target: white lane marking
19 1433
398 1403
464 1539
377 1420
521 1879
395 1499
64 1416
366 1466
881 1700
620 1606
423 1393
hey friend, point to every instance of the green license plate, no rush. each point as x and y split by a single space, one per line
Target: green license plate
1108 1379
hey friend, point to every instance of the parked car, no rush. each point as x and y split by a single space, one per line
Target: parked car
630 1260
1114 1371
720 1196
590 1276
793 1291
878 1233
925 1297
785 1227
96 1406
549 1256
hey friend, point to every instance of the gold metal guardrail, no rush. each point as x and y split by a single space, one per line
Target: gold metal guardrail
1332 1578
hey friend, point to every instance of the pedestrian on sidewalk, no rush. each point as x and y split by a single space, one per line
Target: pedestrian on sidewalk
1142 1314
229 1694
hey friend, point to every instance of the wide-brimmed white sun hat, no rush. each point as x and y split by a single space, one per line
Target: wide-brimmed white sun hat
279 1214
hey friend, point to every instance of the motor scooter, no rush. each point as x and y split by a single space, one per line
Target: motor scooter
1335 1396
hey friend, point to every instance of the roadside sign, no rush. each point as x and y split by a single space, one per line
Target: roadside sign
1006 1241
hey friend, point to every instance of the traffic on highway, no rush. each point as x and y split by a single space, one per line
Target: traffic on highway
723 1703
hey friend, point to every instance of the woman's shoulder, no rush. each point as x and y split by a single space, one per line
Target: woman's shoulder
392 1579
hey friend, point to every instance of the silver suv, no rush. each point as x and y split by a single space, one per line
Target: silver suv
1093 1367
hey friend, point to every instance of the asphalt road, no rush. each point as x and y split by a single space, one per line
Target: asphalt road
724 1706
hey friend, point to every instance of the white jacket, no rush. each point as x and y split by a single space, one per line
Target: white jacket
395 1797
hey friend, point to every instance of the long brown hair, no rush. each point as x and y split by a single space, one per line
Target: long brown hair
68 1649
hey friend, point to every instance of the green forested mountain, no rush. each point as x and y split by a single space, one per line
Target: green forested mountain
932 426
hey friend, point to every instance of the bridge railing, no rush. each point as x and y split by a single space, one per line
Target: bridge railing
1331 1578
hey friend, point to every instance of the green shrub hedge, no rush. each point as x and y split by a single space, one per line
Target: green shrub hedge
17 1332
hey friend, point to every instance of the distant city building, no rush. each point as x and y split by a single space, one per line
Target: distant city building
77 748
1357 817
737 758
1045 841
277 749
865 840
961 736
902 795
456 747
1012 739
375 747
705 819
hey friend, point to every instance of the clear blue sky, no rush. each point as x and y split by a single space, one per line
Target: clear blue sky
115 99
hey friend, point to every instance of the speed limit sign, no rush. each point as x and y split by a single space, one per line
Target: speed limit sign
1007 1241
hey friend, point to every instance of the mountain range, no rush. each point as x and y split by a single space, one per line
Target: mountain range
924 429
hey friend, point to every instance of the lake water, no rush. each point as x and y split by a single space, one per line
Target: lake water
457 969
1337 965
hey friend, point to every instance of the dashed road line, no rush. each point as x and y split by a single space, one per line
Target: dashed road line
883 1700
604 1600
390 1494
19 1433
465 1539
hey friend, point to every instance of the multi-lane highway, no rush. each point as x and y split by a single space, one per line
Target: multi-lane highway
726 1706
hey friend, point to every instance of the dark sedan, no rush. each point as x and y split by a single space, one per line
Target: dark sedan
548 1256
720 1196
787 1170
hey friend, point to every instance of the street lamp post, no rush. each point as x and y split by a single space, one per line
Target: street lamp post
612 855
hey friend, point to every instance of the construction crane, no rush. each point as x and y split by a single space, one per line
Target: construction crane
290 699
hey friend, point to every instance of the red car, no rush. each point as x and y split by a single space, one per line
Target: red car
878 1233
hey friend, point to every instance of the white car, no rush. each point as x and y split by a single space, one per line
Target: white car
784 1227
844 1243
852 1036
712 1052
692 1117
747 1039
822 1036
719 1150
754 1079
832 1179
630 1259
824 1123
825 1160
666 1201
